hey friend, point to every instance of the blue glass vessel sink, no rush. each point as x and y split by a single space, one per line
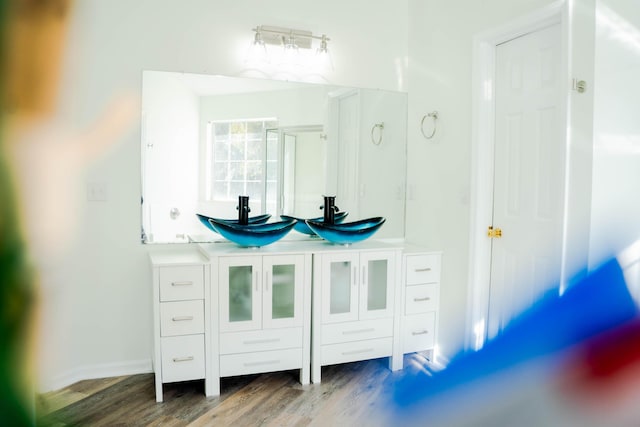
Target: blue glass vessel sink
253 235
347 232
258 219
302 227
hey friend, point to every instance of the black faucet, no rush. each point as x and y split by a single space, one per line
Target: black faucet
243 210
329 209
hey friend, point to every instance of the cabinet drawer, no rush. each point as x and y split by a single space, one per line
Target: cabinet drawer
260 361
181 318
264 340
181 283
356 331
418 332
422 298
423 269
358 350
182 358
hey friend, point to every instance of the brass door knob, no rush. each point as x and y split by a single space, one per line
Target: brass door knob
494 233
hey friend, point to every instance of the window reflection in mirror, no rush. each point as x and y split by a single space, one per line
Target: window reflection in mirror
241 159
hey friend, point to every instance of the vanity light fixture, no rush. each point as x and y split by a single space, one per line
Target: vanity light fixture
292 44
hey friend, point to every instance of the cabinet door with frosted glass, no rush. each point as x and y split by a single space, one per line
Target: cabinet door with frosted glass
340 272
282 290
240 292
377 271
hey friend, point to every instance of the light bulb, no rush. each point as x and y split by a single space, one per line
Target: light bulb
290 52
258 54
323 57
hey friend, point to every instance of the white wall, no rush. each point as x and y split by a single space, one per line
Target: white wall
440 52
382 167
616 155
170 152
96 301
293 107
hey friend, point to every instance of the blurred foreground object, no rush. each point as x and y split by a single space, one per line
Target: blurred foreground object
32 41
47 158
546 368
42 162
16 303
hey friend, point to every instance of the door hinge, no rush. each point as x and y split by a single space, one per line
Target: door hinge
494 233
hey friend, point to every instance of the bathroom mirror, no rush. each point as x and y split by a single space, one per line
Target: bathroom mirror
208 139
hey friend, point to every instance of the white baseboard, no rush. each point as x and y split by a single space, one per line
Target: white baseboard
90 372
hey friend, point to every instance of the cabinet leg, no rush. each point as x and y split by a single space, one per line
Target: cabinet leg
431 355
315 374
304 375
212 387
158 390
395 363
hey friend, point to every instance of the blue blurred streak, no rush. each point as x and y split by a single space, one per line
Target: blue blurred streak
598 302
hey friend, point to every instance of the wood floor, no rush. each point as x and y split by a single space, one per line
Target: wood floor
351 394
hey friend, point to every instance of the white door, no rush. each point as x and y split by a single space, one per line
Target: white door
529 168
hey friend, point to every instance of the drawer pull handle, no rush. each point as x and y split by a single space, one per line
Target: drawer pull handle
348 353
264 341
187 283
181 318
264 362
422 299
183 359
421 270
358 331
420 332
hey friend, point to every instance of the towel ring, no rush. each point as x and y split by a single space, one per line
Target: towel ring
434 116
373 138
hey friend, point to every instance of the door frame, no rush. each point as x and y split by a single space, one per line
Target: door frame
578 157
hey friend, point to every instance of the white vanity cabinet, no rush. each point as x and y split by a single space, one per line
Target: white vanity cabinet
220 310
261 314
421 299
354 305
180 318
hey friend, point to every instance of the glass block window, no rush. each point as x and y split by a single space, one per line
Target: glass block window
240 162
